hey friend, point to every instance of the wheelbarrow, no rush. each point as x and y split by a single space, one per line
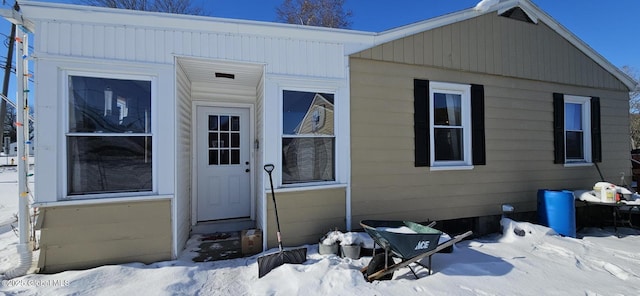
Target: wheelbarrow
408 241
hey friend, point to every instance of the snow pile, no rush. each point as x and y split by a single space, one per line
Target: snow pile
401 230
485 5
345 239
540 262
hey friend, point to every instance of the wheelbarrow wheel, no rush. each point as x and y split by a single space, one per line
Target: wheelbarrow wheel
377 263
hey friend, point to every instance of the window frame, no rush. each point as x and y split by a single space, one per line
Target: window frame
585 102
464 90
334 136
64 153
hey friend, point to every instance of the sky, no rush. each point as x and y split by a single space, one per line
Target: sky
609 27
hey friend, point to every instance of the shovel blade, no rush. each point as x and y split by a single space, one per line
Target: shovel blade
269 262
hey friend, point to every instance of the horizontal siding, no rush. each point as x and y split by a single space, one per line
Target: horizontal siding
183 161
500 46
306 215
74 237
519 145
147 44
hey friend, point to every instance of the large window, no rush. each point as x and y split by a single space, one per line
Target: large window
450 106
109 136
308 140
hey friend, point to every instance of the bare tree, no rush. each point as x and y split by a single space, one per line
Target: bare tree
170 6
320 13
634 106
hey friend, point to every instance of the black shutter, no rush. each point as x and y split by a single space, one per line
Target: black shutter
477 125
558 128
596 145
421 122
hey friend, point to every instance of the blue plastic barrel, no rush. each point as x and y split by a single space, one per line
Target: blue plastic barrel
557 210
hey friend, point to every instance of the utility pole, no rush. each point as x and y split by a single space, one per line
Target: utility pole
5 84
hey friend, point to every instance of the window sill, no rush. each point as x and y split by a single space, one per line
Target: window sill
452 168
95 201
307 187
578 164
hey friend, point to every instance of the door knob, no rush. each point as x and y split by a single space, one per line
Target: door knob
247 170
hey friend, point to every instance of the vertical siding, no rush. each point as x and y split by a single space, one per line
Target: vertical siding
519 145
183 158
143 44
501 46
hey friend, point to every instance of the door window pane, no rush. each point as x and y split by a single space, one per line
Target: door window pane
224 123
213 123
235 123
213 157
235 156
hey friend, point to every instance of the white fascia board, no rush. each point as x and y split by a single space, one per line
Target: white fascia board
16 18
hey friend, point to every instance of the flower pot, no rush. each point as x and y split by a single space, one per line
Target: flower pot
327 249
350 251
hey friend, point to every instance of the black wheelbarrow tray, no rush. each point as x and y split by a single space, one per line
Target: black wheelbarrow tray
408 241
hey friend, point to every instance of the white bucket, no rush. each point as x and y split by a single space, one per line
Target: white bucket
606 192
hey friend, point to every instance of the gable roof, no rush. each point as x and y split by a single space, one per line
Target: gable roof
531 10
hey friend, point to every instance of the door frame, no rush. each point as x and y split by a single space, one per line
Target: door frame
194 157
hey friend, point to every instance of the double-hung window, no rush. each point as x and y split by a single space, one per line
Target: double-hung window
308 139
448 125
576 129
449 107
109 139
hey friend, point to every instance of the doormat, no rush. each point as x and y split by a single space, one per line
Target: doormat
218 246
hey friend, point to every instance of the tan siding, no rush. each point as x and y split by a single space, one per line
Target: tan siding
502 46
306 215
75 237
519 136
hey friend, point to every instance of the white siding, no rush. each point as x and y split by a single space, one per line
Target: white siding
183 159
283 56
259 159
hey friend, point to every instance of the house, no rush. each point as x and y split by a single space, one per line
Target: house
157 126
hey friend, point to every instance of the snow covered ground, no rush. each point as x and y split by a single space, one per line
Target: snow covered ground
540 263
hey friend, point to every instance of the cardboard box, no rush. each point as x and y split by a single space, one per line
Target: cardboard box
251 242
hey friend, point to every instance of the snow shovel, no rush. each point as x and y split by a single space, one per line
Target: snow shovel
268 262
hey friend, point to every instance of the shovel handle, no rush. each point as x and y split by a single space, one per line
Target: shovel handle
269 168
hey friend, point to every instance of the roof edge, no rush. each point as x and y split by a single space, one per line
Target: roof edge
533 11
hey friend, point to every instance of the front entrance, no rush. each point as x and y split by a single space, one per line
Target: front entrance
222 163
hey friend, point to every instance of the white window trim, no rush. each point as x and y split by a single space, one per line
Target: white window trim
63 153
334 92
464 90
586 130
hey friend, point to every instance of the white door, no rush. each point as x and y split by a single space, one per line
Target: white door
222 163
